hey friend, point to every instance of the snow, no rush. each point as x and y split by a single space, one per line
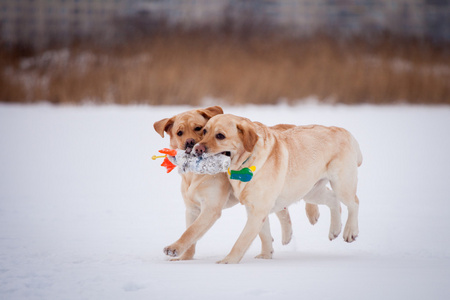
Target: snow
85 213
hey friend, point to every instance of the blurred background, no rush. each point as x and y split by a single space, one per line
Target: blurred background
164 52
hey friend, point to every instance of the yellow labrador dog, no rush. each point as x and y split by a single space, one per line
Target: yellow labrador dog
291 165
206 195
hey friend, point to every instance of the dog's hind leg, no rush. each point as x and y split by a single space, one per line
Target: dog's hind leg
266 236
286 226
344 185
351 230
312 212
321 194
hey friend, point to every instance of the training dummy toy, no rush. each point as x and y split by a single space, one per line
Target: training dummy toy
166 163
205 164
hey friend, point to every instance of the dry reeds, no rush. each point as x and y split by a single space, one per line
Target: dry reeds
184 67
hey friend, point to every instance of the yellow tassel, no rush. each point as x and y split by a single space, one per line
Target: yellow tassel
160 156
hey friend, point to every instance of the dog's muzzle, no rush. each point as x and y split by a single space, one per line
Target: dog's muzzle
189 145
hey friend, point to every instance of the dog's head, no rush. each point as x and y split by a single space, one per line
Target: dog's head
186 129
229 135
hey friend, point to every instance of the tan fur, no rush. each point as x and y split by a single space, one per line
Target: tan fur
204 195
312 210
248 137
291 164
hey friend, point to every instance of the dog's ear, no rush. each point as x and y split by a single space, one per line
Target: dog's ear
248 136
210 112
163 125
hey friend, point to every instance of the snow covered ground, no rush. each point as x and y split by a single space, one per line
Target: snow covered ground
85 212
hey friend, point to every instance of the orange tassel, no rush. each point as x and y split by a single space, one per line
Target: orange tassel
168 165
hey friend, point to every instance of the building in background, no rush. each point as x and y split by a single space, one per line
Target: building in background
40 22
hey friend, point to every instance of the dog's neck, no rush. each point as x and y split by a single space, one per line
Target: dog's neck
241 160
248 158
265 142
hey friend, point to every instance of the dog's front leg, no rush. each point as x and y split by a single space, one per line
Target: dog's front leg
266 241
192 213
255 221
186 243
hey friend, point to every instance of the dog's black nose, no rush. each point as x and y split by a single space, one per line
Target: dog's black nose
199 149
189 145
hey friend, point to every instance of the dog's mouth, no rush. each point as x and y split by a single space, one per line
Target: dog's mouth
226 153
189 145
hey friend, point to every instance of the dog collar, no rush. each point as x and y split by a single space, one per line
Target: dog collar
244 174
246 160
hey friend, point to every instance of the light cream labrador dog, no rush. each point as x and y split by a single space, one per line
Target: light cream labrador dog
205 196
291 165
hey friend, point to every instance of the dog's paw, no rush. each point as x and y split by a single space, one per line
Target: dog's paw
313 219
176 259
264 256
171 251
350 234
312 212
188 255
181 258
332 236
286 237
334 231
228 260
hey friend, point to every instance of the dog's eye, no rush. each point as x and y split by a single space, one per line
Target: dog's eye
220 136
197 128
180 133
204 131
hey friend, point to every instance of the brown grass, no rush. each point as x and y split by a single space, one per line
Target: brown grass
184 67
